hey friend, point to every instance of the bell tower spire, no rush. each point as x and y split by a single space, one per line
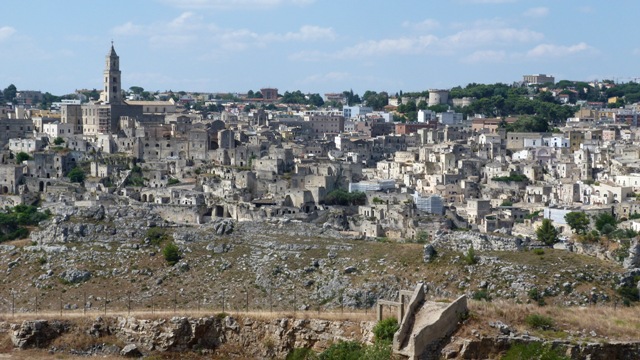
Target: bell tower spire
112 92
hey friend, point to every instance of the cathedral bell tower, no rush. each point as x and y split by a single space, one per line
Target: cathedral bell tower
112 93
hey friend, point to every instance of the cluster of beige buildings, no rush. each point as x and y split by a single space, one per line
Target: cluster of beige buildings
443 172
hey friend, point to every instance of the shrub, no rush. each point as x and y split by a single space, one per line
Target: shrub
538 321
22 156
14 220
76 175
173 181
534 350
301 354
58 141
422 237
470 256
515 177
538 251
536 296
481 295
171 253
157 235
385 329
343 350
629 294
380 350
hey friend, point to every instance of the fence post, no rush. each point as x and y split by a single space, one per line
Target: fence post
223 290
13 303
247 300
60 305
175 302
270 297
84 307
36 303
294 300
128 303
153 309
106 294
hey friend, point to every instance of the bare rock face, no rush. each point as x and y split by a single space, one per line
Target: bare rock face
131 351
633 260
462 241
176 334
429 253
36 333
74 276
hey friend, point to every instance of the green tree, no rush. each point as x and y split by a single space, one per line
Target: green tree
22 156
76 175
136 90
547 233
171 253
577 221
10 93
604 219
58 141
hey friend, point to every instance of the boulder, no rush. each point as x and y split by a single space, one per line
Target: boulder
36 333
429 253
75 276
131 351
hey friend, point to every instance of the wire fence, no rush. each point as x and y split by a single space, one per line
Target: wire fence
21 304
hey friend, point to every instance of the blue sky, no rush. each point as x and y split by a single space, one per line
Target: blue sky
315 45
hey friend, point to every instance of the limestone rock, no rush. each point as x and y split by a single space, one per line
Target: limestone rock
36 333
74 276
131 350
633 260
429 253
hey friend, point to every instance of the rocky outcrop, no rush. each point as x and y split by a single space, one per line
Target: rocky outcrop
36 333
74 276
463 240
632 261
256 338
242 337
429 252
494 347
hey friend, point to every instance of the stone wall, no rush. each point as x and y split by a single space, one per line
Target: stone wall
241 337
462 240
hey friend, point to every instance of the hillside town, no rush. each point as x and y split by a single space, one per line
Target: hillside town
400 167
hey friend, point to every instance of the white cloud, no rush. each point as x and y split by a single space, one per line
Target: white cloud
6 32
491 56
475 37
400 46
127 29
333 76
234 4
305 33
189 28
427 24
551 50
537 12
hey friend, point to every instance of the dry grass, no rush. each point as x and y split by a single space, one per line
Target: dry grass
335 315
621 323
